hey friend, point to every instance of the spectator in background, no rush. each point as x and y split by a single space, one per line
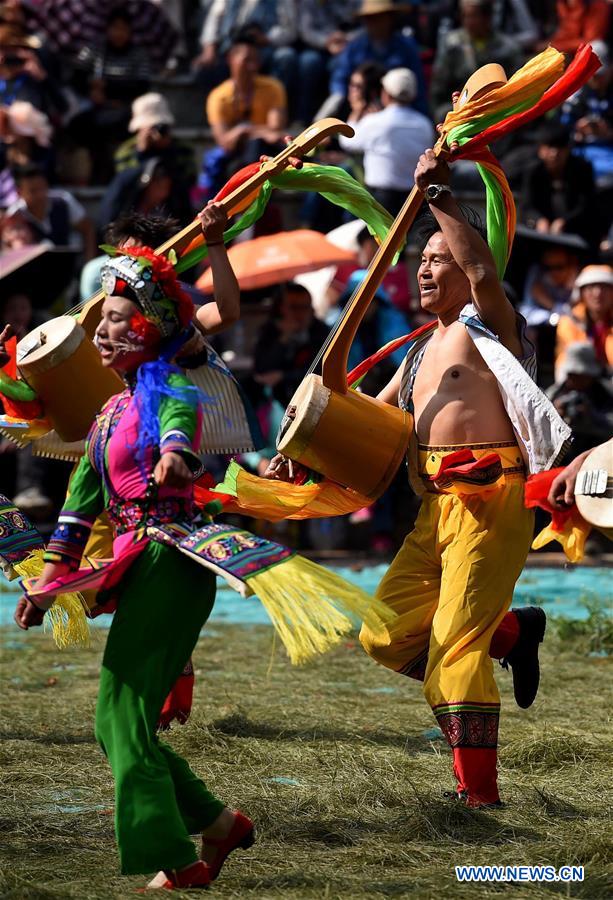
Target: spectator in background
382 322
109 77
583 397
151 124
263 20
25 136
318 34
395 281
150 189
116 71
391 140
549 285
364 91
18 313
558 193
24 76
580 22
380 40
16 233
248 111
591 317
514 18
175 10
589 116
464 50
547 294
51 213
288 343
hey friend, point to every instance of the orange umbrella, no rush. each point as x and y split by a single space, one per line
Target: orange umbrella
277 258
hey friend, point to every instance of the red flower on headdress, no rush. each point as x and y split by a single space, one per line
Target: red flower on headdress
145 331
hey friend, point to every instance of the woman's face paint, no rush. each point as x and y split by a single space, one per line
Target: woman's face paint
124 337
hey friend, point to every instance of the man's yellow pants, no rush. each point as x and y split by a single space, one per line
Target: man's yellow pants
451 584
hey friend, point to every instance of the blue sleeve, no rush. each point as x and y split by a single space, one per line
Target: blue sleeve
393 324
413 62
341 71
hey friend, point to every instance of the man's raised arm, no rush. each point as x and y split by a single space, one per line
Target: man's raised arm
470 252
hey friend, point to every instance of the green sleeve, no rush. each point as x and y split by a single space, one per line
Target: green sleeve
84 503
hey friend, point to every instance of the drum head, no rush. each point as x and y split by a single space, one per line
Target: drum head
49 344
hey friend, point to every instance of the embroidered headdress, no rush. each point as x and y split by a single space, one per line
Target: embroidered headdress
150 281
164 311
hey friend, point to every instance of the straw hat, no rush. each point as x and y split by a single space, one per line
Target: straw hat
376 7
594 488
149 110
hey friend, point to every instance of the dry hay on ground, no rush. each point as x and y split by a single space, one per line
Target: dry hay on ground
339 764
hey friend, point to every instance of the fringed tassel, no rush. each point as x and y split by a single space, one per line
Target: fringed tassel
68 621
312 608
66 617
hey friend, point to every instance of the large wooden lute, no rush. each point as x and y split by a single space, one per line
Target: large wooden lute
59 360
345 435
300 146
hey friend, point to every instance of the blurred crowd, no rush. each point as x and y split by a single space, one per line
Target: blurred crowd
148 106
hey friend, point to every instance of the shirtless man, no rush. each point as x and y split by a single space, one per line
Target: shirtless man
480 425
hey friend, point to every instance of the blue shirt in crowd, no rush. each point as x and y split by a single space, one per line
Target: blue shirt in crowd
400 52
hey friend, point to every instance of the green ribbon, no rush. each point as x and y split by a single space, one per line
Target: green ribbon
336 185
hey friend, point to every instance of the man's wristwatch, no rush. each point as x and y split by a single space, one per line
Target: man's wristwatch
434 191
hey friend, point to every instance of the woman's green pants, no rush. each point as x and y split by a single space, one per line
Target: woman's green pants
165 599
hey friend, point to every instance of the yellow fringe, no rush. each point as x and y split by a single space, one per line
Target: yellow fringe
312 608
66 617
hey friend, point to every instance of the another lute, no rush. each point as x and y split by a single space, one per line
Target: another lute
594 488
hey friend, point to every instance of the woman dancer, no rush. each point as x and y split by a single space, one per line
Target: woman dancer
139 465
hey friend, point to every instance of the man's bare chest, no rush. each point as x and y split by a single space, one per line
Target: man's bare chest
451 366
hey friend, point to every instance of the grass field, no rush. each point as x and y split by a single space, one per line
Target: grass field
338 763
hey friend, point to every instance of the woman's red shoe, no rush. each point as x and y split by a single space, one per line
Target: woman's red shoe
198 875
242 834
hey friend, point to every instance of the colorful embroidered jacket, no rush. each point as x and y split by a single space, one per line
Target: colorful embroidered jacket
109 476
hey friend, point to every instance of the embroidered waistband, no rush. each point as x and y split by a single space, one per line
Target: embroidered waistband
129 515
446 448
468 469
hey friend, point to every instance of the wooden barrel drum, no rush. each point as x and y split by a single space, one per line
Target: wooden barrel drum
63 366
350 438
